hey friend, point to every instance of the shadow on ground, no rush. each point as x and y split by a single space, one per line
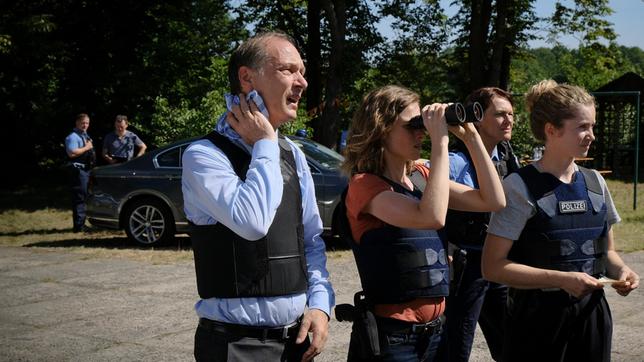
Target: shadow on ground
50 191
37 232
179 243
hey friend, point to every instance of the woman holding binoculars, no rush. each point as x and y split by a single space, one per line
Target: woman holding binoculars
553 244
395 207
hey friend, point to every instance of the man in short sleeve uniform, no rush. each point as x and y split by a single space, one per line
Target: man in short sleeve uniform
81 159
472 298
119 146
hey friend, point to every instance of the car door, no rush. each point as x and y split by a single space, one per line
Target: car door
320 189
168 165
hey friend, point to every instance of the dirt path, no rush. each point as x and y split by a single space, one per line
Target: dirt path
628 314
58 305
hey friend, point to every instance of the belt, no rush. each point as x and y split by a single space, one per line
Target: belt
260 333
390 325
80 166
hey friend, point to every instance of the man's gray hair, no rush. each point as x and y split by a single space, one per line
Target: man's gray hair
252 54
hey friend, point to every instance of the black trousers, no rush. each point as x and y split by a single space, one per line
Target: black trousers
220 346
78 180
476 300
552 326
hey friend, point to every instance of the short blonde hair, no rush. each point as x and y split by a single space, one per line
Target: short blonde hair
551 102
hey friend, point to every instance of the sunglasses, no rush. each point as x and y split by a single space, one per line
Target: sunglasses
415 123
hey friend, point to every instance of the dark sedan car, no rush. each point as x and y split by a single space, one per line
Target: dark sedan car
143 196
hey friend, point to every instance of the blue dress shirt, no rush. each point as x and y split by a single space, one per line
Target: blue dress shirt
213 193
461 170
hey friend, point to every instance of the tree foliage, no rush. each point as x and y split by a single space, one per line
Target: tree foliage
164 63
60 58
415 57
490 34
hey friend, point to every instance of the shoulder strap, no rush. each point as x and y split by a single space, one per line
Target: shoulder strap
417 192
340 221
286 152
538 184
595 191
592 181
237 156
507 154
418 180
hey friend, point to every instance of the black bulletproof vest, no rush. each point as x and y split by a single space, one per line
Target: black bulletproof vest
568 231
469 229
398 264
228 266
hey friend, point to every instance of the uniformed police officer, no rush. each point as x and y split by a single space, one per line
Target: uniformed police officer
255 225
553 243
80 151
472 298
119 146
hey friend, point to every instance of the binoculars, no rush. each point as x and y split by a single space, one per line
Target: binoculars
455 114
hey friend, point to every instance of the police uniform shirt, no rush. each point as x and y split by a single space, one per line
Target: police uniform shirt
121 147
461 170
75 140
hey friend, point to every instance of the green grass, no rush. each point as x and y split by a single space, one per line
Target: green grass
629 234
38 217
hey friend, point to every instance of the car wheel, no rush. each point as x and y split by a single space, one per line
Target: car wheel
149 222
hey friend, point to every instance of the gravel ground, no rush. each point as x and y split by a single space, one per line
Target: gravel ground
58 305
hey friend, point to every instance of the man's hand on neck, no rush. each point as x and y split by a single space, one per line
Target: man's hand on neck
250 123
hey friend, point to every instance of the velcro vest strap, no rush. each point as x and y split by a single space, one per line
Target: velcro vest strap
565 247
422 279
601 245
593 267
418 258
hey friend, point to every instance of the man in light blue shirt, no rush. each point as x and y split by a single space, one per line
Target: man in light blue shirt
472 299
81 159
247 189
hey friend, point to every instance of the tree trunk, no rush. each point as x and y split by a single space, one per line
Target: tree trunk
326 131
499 46
481 12
313 57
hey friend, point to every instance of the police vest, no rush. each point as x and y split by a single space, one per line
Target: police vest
229 266
568 231
399 264
469 229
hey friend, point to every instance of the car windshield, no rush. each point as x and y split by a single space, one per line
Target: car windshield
324 156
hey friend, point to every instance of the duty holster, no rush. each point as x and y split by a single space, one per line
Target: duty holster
459 261
364 324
